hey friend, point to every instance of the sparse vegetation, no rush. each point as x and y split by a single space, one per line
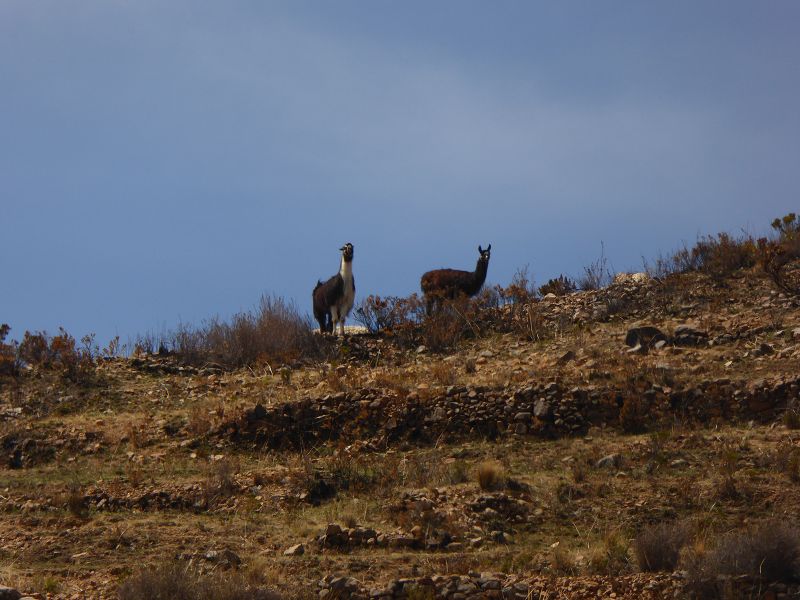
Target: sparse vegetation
490 476
560 286
273 332
175 581
658 547
522 439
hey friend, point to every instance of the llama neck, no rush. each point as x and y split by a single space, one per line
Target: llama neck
346 269
480 273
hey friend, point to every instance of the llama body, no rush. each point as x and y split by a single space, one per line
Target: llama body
450 283
333 300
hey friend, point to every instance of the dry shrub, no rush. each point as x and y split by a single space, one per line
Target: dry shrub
60 353
443 373
199 422
766 553
598 274
727 486
791 418
491 476
8 353
611 556
562 562
779 257
658 547
393 381
220 479
74 501
724 254
559 286
451 322
633 414
680 261
521 290
390 314
178 582
273 332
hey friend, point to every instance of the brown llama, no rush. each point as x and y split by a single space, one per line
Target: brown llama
451 283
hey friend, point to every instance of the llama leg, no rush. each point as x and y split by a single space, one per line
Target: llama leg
334 319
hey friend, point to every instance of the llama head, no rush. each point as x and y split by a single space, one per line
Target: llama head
347 252
485 254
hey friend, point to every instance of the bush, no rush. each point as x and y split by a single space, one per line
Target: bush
765 553
658 547
490 476
8 353
720 256
178 582
61 353
597 275
560 286
778 257
274 331
611 556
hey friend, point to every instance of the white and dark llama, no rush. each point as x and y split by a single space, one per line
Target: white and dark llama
450 283
333 300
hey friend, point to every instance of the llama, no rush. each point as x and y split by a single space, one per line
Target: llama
449 283
333 300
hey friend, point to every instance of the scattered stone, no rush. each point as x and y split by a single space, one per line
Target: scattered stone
295 550
7 593
612 461
644 336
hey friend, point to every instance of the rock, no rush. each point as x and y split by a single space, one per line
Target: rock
542 409
612 461
295 550
765 349
796 334
686 335
522 417
644 336
568 356
7 593
422 349
520 429
679 463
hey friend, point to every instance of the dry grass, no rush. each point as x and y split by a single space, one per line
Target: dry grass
658 547
179 582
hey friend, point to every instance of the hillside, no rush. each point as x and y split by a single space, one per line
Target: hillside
529 460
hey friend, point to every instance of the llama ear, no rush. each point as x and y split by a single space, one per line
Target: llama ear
489 248
480 249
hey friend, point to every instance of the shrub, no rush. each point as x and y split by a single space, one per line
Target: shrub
521 289
597 275
778 257
390 313
560 286
61 353
766 553
220 481
490 476
611 556
724 254
658 547
8 353
682 260
178 582
274 331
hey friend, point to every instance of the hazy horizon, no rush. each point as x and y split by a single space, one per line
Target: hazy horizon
168 162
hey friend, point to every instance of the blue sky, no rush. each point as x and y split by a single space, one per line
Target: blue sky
166 161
